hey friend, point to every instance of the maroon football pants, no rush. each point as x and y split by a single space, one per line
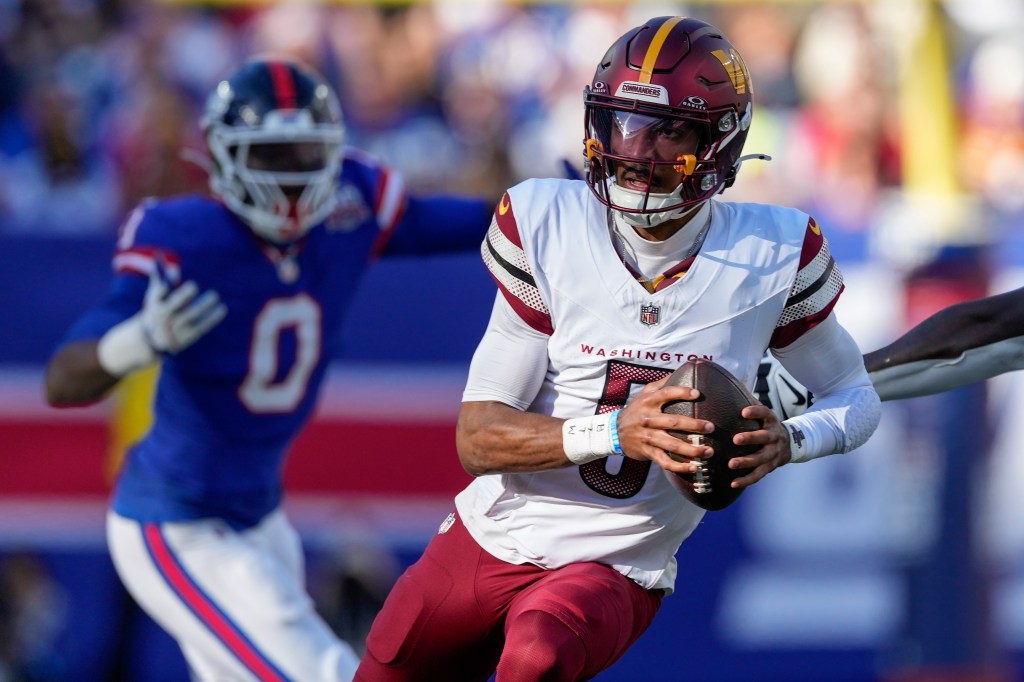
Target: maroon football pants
458 614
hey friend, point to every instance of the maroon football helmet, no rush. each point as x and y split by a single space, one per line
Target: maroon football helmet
666 118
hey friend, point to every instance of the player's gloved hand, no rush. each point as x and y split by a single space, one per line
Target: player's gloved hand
171 320
174 319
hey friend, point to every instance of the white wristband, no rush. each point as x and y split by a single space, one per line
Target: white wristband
585 439
124 348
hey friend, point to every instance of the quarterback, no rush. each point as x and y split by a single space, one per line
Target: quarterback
240 297
559 553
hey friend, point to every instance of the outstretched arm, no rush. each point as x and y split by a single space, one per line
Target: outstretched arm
171 319
74 375
961 344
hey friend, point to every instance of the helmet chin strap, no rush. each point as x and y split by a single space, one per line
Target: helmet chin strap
631 198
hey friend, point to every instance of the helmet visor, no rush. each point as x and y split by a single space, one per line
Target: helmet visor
294 157
645 152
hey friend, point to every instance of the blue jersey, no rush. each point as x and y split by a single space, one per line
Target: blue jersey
228 407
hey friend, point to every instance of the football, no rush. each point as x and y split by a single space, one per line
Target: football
722 399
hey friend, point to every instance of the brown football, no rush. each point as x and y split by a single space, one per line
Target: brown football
722 399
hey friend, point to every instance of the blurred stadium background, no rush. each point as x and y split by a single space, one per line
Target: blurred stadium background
898 123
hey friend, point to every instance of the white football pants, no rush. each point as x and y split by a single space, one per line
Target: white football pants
235 601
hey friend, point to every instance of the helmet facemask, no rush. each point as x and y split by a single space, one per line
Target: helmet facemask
649 164
640 163
278 177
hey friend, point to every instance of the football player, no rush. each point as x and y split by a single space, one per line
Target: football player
240 298
558 555
965 343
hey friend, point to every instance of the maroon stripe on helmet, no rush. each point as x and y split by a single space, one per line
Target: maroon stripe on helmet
284 85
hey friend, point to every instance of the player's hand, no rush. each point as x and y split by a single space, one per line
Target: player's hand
175 318
644 428
775 450
171 320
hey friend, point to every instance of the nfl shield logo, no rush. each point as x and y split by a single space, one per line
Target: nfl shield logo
649 314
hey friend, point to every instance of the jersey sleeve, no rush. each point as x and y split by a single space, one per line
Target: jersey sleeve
510 362
505 258
143 241
815 289
382 188
440 224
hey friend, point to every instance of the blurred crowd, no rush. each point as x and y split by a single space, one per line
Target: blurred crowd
100 98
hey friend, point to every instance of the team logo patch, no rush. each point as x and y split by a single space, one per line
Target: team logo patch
446 524
643 91
650 314
350 211
735 68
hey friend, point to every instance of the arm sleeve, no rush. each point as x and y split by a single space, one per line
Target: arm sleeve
511 361
847 409
440 224
964 343
934 375
122 300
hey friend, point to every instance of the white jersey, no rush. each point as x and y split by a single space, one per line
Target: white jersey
762 277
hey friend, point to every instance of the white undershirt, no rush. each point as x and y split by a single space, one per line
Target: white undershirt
653 258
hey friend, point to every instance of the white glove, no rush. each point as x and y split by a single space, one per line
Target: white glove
170 321
776 388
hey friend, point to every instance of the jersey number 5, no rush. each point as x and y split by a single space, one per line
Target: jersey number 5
266 389
631 476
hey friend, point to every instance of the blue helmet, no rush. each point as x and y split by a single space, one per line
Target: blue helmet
274 129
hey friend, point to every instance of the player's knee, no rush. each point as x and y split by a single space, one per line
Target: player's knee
541 647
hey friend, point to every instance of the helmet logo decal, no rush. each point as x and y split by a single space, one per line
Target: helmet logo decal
654 49
600 86
641 91
735 67
695 102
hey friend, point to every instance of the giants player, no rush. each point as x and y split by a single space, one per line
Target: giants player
241 300
560 551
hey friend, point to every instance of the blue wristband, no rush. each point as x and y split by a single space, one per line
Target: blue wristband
613 429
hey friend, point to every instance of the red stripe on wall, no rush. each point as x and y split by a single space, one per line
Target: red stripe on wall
62 457
41 457
364 457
